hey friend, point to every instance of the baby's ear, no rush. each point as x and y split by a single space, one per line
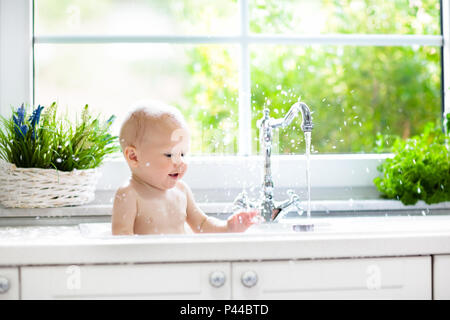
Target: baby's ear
131 156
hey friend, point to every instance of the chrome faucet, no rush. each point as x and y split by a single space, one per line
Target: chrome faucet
271 209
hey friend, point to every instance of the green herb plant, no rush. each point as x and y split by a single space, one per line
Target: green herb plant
55 142
420 168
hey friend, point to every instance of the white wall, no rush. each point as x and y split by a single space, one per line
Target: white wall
16 43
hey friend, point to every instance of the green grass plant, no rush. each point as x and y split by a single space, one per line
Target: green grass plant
55 142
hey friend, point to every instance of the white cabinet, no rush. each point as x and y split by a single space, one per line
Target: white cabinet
375 278
9 283
378 278
139 281
441 277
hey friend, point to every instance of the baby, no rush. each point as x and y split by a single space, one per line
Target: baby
155 140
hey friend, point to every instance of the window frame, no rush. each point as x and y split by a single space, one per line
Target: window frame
17 85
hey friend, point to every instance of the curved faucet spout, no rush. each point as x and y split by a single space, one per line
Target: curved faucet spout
307 124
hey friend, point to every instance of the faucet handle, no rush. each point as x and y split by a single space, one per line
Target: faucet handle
295 199
292 195
242 201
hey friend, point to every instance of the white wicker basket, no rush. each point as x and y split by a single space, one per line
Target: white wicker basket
45 188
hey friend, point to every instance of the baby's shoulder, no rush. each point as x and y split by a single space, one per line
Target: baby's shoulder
181 185
126 190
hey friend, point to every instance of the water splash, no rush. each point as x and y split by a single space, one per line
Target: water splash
308 171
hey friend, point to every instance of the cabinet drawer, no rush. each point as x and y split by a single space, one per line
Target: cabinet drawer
143 281
9 283
378 278
441 277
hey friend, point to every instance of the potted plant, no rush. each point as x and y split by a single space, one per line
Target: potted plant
48 161
420 168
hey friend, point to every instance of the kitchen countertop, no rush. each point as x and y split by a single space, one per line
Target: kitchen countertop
344 237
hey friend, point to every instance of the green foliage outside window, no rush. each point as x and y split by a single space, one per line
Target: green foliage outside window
355 92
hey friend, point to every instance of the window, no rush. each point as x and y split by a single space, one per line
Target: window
364 67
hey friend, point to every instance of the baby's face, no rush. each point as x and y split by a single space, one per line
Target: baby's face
162 155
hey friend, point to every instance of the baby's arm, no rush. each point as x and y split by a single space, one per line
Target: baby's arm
197 219
124 211
201 223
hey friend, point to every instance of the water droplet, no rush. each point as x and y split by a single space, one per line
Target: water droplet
147 164
59 160
350 202
279 87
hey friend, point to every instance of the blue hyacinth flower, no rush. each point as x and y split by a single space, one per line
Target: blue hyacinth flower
111 120
34 119
20 128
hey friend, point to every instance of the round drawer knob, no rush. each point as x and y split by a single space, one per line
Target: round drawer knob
4 284
249 278
217 279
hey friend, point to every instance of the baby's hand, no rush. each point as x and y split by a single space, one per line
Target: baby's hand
241 221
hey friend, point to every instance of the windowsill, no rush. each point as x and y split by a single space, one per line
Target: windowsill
102 209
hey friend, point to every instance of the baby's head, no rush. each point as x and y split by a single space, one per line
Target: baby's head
155 139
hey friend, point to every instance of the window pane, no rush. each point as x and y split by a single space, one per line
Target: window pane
200 80
345 16
135 17
354 92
